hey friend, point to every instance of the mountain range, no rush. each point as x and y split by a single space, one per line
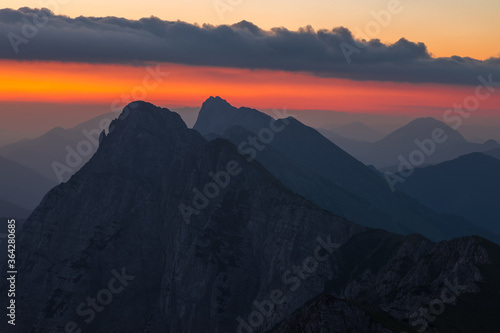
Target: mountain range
179 234
357 131
421 142
312 166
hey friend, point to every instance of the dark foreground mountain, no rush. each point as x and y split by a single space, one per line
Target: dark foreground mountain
312 166
468 186
111 251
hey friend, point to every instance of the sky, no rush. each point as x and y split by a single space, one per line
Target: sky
449 27
411 57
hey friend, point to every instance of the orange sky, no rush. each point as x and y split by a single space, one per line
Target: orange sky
190 86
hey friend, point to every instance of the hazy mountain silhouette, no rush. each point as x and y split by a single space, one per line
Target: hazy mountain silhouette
403 142
342 142
9 210
357 131
369 202
64 151
21 186
468 186
494 153
116 223
188 114
312 186
59 145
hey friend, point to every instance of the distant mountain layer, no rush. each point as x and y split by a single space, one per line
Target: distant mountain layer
60 152
186 235
357 131
312 166
468 186
10 210
423 141
494 153
21 186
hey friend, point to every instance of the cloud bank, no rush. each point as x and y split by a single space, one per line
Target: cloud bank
33 34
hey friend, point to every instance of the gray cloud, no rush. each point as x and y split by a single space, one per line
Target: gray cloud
242 45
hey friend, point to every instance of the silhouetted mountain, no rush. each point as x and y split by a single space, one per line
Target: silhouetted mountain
342 142
422 141
10 210
188 115
481 132
494 153
109 251
309 164
59 153
8 136
468 186
22 186
303 181
357 131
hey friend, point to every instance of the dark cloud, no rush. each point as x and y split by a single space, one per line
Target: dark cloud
242 45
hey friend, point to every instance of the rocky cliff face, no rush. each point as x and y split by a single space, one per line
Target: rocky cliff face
162 231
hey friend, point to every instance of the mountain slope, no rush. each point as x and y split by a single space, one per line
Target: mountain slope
321 191
434 140
116 223
494 153
345 144
306 149
60 152
468 186
147 167
357 131
14 211
22 186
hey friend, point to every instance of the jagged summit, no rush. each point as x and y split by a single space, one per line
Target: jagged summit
146 114
140 120
217 114
216 101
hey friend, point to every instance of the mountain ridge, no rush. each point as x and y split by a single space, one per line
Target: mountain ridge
209 274
317 157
